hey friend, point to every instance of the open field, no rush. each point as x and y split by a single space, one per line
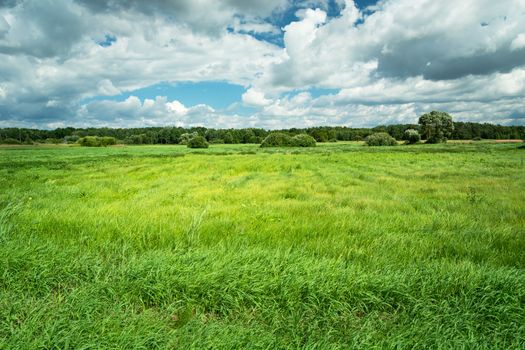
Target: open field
340 246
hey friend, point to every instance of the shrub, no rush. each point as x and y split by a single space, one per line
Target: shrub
303 140
186 137
95 141
411 136
197 142
107 141
89 141
381 139
11 141
71 138
277 139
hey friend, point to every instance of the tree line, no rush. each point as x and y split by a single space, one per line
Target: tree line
177 135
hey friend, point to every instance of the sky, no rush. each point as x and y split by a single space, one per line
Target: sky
261 63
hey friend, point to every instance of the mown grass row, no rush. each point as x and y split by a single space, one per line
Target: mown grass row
336 248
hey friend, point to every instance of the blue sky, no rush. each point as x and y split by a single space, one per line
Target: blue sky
259 63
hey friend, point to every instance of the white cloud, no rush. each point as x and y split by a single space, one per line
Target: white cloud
56 125
106 88
256 98
417 89
405 53
176 107
204 16
147 51
518 43
52 103
132 112
254 27
43 28
299 35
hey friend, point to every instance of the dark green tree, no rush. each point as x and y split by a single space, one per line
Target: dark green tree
436 126
228 137
319 135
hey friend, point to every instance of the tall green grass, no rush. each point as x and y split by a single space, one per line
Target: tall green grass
341 246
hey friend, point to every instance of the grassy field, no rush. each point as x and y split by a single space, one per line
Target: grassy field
342 246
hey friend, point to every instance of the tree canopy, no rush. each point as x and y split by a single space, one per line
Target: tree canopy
436 126
174 135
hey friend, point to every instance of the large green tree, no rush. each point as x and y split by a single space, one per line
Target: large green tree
436 126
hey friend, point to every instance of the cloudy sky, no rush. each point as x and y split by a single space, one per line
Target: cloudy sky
260 63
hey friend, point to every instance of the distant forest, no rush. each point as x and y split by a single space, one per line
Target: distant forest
174 135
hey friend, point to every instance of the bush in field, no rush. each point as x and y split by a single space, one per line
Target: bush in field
71 138
197 142
10 141
436 126
89 141
52 140
107 141
95 141
411 136
278 139
380 139
186 137
303 140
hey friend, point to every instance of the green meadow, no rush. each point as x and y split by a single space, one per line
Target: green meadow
340 246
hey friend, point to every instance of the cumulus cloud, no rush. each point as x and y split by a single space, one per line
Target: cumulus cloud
42 28
133 111
442 40
176 107
146 52
417 89
256 98
518 43
200 15
254 27
106 88
159 111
